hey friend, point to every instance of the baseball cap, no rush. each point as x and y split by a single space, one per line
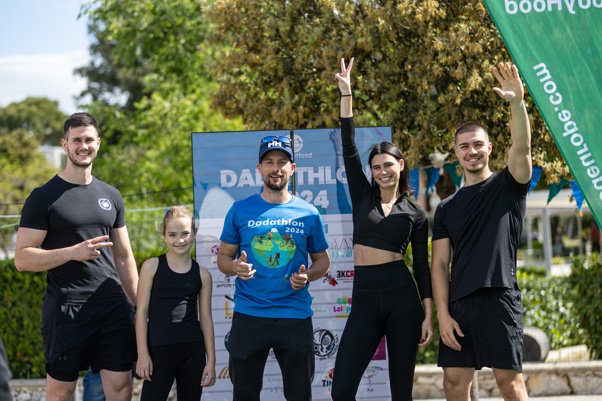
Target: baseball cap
282 143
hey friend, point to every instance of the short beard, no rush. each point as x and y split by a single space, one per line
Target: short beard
77 163
275 187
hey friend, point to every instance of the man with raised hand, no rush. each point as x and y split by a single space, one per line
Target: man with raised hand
478 229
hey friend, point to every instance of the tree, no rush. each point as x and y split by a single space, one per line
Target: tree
24 126
22 169
161 45
39 117
423 67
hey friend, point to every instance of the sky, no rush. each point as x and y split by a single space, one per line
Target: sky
41 43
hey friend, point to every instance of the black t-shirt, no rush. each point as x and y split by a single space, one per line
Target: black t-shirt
484 223
70 214
406 223
172 312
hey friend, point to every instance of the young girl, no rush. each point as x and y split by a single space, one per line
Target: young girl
174 327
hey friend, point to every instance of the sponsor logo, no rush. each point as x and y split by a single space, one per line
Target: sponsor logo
326 343
228 307
225 281
342 243
298 143
370 373
318 309
105 204
215 249
327 378
329 278
224 373
341 248
345 276
342 308
298 147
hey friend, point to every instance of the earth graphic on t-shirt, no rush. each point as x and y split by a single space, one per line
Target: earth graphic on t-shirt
272 250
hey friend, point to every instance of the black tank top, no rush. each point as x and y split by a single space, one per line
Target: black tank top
173 314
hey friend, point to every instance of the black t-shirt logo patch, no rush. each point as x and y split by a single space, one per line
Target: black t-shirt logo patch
104 204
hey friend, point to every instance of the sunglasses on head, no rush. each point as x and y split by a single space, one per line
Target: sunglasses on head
271 138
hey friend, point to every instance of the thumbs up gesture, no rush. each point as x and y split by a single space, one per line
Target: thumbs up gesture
299 280
243 269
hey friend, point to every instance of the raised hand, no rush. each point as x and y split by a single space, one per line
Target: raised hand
89 249
243 269
512 88
344 77
299 280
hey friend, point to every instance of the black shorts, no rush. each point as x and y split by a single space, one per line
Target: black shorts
77 337
492 322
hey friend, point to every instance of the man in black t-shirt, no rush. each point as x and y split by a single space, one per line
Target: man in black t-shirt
73 228
478 229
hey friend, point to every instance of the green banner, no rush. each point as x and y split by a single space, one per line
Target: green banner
557 46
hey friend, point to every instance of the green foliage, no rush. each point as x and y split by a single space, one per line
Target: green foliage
154 53
524 273
548 305
567 309
38 117
586 282
423 67
21 314
24 126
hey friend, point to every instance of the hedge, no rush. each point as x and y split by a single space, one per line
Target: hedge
567 309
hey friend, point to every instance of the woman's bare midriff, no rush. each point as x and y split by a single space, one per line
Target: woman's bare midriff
367 256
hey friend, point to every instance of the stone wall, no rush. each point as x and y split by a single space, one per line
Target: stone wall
542 379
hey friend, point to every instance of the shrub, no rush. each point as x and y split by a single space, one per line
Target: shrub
21 314
548 305
586 284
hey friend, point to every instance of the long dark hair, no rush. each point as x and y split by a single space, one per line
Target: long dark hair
405 189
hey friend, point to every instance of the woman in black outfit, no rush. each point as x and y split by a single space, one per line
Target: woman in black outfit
385 298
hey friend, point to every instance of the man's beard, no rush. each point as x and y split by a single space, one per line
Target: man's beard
77 163
277 187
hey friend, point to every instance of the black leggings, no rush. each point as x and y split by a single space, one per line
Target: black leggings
385 303
182 362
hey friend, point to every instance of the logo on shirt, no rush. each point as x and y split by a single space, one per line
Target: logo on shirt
273 250
105 204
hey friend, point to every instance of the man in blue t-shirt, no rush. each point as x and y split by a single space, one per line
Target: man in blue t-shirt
73 228
478 229
265 243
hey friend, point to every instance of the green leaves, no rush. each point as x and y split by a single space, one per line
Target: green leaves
586 281
423 67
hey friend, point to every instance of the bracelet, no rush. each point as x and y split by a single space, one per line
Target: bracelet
346 95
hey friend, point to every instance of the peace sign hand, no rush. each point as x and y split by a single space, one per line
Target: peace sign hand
344 77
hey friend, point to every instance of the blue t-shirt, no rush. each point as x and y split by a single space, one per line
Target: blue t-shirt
277 239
